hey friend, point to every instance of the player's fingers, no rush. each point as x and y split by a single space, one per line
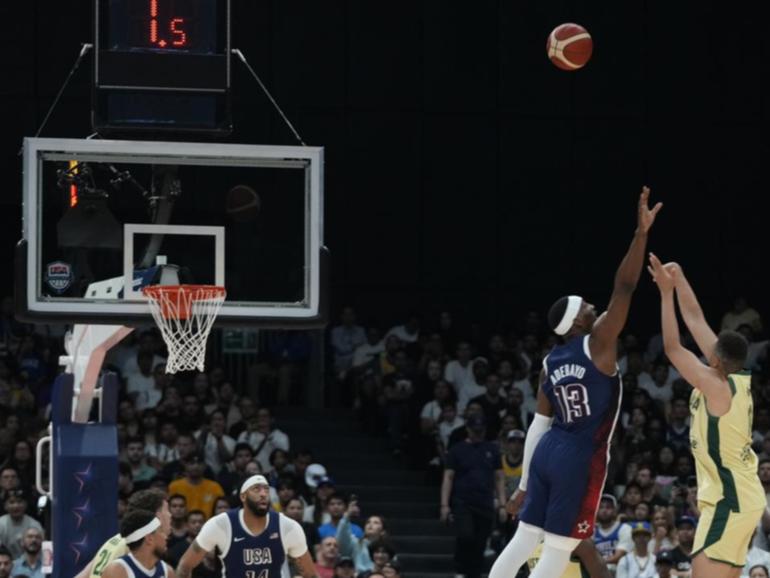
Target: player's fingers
656 208
652 272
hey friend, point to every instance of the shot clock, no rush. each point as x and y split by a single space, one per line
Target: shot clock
162 65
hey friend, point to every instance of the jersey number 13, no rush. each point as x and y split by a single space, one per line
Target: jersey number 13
573 401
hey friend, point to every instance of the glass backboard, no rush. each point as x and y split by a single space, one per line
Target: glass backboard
101 215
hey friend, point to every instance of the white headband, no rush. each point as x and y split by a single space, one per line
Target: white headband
253 481
573 308
148 528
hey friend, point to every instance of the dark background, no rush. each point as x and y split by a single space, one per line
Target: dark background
464 171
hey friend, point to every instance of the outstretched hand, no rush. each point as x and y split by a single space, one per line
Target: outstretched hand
646 215
661 274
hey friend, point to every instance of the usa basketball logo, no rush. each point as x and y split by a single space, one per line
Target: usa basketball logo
58 276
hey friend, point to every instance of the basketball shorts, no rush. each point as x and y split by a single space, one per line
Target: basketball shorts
724 535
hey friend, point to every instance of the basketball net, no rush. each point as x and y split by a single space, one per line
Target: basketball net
185 315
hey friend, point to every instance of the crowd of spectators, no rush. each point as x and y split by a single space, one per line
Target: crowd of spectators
428 388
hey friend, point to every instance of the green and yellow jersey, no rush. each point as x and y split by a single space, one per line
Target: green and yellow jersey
111 550
726 465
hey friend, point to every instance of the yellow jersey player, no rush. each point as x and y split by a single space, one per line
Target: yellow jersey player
152 500
730 495
586 562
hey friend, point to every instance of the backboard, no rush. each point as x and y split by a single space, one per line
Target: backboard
102 216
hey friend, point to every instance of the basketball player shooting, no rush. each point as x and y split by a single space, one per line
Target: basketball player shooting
730 496
251 541
567 448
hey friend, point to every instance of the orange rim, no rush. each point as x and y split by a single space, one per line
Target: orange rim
176 300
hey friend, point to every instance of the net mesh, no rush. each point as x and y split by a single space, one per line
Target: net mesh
185 315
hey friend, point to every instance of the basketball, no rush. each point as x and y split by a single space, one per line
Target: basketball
569 46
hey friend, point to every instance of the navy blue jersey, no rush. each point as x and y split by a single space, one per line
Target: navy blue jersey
254 556
569 466
584 399
134 570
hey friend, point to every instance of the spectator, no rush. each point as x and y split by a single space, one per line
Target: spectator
611 536
646 480
200 492
141 386
474 386
431 411
460 371
433 360
9 481
264 438
316 513
30 563
664 565
6 562
741 314
430 375
515 407
409 332
227 403
222 505
631 498
473 478
449 422
141 472
663 533
234 473
217 446
358 548
186 446
680 556
285 492
513 455
678 434
758 571
398 390
23 462
192 413
164 451
638 563
177 507
392 570
345 338
366 355
15 523
328 552
337 505
493 404
381 552
295 509
344 568
659 387
248 410
194 523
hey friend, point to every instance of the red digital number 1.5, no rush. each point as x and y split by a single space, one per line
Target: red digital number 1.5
176 28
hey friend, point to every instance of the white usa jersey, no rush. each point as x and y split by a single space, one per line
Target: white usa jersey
245 555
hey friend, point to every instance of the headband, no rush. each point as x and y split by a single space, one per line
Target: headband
148 528
573 308
253 481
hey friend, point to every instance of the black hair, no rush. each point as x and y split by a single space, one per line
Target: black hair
5 552
556 312
381 544
243 446
338 496
732 349
132 521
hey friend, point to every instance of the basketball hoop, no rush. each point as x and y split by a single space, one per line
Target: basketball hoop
185 315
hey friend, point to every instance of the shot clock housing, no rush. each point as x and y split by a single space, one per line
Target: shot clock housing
162 65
